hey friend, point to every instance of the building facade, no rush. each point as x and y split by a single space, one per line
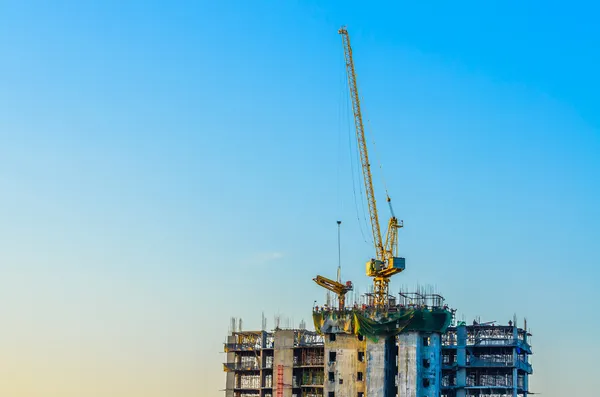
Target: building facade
483 360
283 363
486 360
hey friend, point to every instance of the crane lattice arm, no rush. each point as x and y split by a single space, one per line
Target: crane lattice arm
333 286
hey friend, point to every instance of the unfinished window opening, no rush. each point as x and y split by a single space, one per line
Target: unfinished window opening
359 376
361 338
331 337
331 377
426 363
341 381
361 394
361 356
426 341
331 394
332 357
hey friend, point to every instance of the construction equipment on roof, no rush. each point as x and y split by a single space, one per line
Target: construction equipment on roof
338 288
386 262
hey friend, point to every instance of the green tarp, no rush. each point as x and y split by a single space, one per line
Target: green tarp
373 325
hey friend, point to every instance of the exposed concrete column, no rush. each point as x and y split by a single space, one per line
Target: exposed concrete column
381 365
230 381
345 365
408 353
526 359
419 364
515 371
515 380
431 365
283 355
461 360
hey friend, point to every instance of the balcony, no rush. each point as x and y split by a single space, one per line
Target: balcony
509 342
312 379
487 363
522 365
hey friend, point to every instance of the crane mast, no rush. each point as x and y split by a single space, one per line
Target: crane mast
385 264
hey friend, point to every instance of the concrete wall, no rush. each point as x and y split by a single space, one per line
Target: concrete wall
419 364
408 353
461 360
283 355
346 366
230 380
381 368
430 365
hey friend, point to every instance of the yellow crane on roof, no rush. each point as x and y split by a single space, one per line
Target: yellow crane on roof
386 262
336 287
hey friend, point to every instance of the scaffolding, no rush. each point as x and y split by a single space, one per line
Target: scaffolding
486 378
313 378
312 392
268 362
493 335
245 341
420 300
268 381
247 382
312 357
303 338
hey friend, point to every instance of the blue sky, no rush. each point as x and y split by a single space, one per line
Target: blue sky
166 166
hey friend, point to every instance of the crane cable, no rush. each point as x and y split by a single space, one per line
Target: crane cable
339 272
378 159
340 204
362 193
352 167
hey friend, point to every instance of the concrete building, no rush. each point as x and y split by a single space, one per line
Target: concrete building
283 363
486 360
345 365
416 354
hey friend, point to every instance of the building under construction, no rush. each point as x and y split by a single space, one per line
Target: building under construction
486 360
386 346
280 363
418 356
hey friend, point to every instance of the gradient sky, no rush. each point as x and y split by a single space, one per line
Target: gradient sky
167 165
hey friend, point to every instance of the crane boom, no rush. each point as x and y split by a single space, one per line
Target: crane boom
385 264
336 287
362 145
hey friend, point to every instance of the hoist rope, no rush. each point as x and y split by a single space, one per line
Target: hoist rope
352 167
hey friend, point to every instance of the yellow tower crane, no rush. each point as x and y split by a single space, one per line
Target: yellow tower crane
386 263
